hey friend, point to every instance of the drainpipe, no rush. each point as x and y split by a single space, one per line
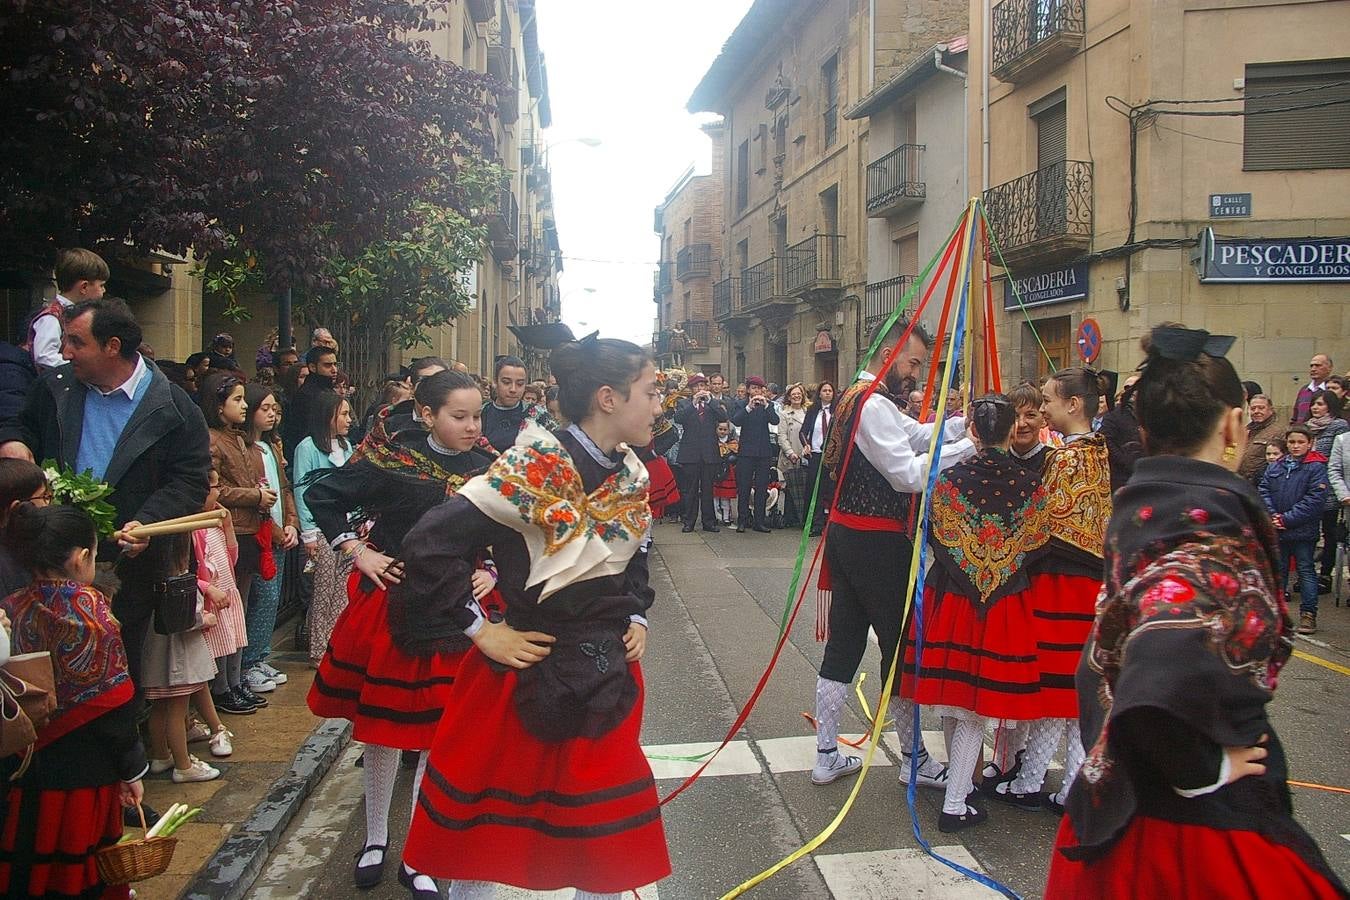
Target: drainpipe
872 43
938 64
986 54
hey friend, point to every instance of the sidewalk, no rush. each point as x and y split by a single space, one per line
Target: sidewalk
280 753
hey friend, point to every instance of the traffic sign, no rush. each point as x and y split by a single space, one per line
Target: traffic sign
1089 340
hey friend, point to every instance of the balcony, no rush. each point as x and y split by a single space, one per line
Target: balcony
693 261
696 340
504 225
480 11
811 268
1030 35
895 181
764 286
500 54
508 94
881 300
663 282
1042 217
699 334
728 306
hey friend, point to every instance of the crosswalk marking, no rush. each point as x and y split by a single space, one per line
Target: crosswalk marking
736 759
887 874
507 892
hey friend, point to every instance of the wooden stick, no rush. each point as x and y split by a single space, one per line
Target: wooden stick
180 525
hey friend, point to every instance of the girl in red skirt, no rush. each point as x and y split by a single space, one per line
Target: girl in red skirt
1184 791
979 634
537 777
88 761
1066 580
392 697
724 488
665 492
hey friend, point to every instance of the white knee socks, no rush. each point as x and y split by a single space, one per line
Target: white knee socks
1073 761
1042 742
1009 740
966 743
830 699
381 768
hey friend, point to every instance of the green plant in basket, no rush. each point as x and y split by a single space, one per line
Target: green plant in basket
82 489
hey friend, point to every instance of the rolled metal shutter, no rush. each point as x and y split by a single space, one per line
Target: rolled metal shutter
1311 130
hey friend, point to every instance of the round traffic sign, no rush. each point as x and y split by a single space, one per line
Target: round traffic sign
1089 340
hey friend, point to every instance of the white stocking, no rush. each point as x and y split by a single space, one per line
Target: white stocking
381 768
904 724
1042 742
964 751
472 890
1073 760
830 699
417 777
1009 740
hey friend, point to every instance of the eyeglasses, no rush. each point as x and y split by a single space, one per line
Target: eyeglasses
46 497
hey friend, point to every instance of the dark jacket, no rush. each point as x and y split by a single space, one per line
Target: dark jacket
159 469
698 444
809 426
1124 446
756 436
1297 491
295 420
16 378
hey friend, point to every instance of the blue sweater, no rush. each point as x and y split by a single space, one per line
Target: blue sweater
105 418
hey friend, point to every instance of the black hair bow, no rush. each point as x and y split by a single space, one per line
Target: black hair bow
1186 344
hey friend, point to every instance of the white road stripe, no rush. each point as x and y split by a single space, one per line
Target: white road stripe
736 759
506 892
887 874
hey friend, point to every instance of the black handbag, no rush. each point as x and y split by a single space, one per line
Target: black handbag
176 604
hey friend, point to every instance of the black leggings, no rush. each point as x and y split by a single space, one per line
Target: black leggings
1330 519
869 571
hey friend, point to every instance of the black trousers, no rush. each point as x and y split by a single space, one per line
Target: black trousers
696 492
752 472
826 495
869 571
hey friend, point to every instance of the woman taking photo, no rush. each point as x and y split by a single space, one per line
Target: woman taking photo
393 699
815 431
549 703
792 453
1184 790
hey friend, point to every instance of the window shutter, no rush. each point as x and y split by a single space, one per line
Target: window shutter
1312 135
1052 136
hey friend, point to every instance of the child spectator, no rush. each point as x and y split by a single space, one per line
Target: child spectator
326 447
80 275
1295 493
1275 451
216 552
174 667
724 486
21 483
89 761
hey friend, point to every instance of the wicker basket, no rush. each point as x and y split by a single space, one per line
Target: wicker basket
135 860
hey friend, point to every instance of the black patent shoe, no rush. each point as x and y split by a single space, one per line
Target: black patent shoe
1054 805
367 877
949 823
233 704
408 878
1031 801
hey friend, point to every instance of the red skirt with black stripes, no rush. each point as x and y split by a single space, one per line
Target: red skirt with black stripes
392 699
499 805
48 839
983 660
1064 608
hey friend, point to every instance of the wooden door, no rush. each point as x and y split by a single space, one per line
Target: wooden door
1055 336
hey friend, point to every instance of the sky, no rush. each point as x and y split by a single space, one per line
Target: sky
620 71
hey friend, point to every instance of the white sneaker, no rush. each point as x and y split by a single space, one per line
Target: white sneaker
197 771
220 742
160 766
198 733
932 774
839 766
259 683
275 675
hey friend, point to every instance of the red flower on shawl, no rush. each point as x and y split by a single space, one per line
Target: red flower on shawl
1222 581
1198 516
1145 513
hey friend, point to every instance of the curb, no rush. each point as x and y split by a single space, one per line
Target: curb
239 861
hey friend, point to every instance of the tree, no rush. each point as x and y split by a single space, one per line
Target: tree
290 132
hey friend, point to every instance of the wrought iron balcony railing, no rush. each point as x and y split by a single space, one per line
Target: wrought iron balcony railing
500 54
698 333
663 282
896 180
1029 34
1044 214
881 300
693 261
813 264
480 10
727 298
504 224
761 283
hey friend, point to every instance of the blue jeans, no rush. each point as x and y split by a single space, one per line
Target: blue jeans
1302 553
263 601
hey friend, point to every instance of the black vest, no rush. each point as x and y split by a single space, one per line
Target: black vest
865 491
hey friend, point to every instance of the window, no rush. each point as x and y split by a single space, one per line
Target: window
1297 116
829 210
743 176
829 77
907 254
780 138
762 151
1052 129
688 231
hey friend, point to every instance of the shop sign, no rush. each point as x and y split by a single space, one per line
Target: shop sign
1293 260
824 343
1045 288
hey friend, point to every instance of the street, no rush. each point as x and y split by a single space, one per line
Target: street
720 598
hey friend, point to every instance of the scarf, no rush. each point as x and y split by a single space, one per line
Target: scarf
1318 423
835 439
988 521
1078 488
535 490
1191 622
76 625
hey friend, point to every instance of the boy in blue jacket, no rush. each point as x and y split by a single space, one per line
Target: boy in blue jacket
1295 492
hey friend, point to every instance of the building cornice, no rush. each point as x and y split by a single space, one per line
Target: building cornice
746 42
908 79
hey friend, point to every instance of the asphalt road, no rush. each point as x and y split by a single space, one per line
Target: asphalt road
720 600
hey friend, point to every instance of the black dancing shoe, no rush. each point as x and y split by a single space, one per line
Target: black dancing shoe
1054 805
740 528
408 878
367 877
949 823
233 704
131 819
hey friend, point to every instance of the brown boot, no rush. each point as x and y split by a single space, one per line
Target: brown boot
1307 623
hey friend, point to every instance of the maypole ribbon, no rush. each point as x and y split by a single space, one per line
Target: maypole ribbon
967 227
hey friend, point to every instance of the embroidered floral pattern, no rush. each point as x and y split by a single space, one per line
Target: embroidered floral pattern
988 546
1078 483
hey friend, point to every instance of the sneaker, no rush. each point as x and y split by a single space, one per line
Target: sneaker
233 704
160 766
258 682
197 771
220 742
839 766
932 774
274 675
1307 623
198 733
241 690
